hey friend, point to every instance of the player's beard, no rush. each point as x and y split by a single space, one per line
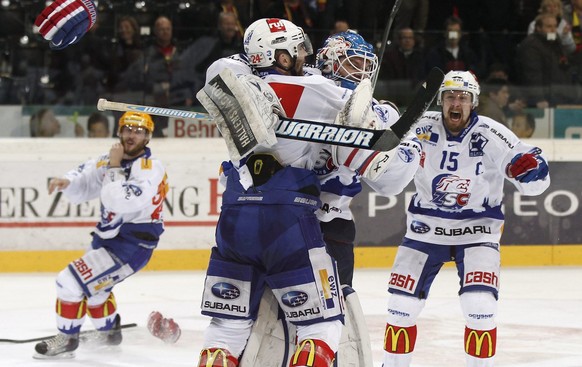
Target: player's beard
456 121
131 148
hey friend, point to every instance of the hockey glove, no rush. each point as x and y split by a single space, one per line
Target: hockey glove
64 22
528 167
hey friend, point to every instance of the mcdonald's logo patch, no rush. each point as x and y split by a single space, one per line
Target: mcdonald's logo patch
305 353
312 352
480 343
217 357
399 340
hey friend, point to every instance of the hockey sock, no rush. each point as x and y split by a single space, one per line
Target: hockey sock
399 340
312 353
480 343
70 315
217 357
103 315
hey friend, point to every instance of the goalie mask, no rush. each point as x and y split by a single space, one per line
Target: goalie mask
136 120
347 58
464 81
265 36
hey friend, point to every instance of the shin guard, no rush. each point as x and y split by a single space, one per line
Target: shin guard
217 357
312 353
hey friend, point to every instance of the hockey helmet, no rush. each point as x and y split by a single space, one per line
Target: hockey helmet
137 119
464 81
265 36
347 48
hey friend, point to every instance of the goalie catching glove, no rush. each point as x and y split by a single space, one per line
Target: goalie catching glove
357 112
528 167
64 22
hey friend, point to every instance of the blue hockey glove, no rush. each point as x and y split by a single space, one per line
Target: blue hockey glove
528 167
64 22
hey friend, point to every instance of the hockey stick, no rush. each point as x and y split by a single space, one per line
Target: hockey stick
320 132
105 105
385 40
83 335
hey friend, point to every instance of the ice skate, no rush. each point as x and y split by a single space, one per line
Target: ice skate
60 346
112 336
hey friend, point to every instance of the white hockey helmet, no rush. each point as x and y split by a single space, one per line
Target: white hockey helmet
463 81
265 36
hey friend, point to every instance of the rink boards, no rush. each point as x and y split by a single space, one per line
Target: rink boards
39 232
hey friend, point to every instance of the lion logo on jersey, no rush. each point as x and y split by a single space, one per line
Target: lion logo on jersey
451 191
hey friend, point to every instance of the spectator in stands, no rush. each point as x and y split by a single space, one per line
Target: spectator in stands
403 60
127 50
544 67
516 101
98 126
523 125
413 14
573 15
227 41
240 11
402 67
163 74
453 53
44 124
564 30
494 98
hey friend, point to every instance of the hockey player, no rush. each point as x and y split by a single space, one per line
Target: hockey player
132 185
456 215
267 233
348 59
260 230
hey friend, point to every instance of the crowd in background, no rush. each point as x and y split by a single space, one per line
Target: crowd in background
526 53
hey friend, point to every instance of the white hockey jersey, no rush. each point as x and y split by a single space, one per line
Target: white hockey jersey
132 194
312 97
459 184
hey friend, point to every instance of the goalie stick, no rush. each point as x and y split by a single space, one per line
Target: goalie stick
320 132
84 335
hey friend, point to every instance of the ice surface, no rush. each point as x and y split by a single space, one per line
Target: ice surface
539 321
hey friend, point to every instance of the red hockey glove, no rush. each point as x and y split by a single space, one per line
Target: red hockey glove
166 329
64 22
527 167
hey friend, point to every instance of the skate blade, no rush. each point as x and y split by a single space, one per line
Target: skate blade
65 355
